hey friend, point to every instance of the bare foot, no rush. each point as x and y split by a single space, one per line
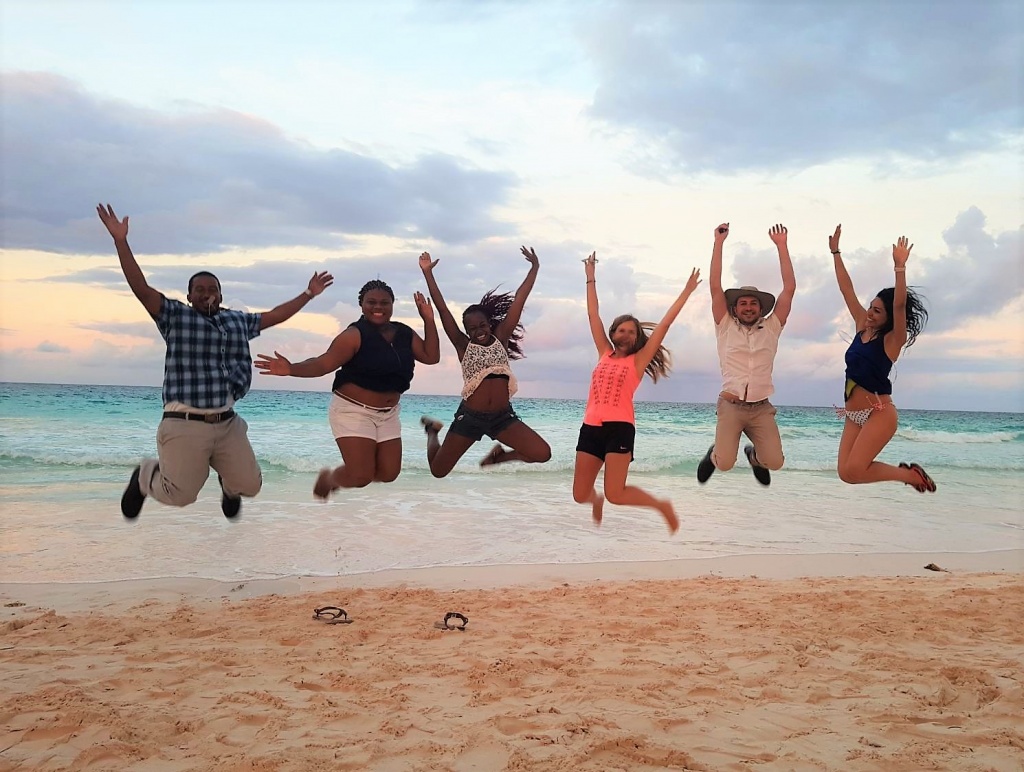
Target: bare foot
667 512
598 513
322 488
431 425
494 456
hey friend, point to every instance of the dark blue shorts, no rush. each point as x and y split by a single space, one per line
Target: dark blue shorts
474 424
610 437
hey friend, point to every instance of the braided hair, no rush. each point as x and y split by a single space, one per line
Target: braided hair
661 363
917 314
375 284
495 306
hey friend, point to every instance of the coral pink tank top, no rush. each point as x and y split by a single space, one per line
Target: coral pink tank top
612 386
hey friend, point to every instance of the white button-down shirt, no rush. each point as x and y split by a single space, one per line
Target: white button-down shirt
747 355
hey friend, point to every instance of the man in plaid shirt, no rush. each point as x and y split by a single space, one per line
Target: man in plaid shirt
207 368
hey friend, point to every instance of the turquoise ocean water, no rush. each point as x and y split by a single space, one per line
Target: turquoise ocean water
66 453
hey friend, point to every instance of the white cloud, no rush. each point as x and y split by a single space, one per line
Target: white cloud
767 86
212 180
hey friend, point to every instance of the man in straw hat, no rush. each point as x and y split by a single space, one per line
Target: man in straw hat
748 323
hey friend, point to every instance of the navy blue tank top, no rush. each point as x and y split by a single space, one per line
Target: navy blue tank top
868 365
379 365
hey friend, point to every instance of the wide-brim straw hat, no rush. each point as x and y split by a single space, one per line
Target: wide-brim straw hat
767 299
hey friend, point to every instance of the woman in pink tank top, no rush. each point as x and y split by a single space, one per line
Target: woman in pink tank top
626 353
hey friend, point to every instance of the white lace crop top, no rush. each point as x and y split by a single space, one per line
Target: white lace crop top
480 361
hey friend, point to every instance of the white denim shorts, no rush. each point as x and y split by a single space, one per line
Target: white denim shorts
351 420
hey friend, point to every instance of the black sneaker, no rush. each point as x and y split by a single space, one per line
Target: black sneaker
132 498
229 505
760 472
706 467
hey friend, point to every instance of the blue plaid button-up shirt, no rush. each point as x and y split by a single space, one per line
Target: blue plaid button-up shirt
207 364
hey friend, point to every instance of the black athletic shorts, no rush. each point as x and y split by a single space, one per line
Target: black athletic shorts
474 424
610 437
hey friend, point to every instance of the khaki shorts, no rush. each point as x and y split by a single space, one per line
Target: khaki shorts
351 420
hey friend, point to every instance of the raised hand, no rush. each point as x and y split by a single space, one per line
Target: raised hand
778 234
693 281
117 228
423 303
426 264
273 365
320 282
833 240
530 256
722 232
901 251
589 265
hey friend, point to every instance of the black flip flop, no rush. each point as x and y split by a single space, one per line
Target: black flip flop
446 624
332 615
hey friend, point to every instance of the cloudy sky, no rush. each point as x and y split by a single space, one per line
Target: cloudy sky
266 140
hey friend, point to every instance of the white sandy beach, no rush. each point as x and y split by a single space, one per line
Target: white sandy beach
826 662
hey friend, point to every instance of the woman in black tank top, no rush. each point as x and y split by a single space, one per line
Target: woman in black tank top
374 358
891 322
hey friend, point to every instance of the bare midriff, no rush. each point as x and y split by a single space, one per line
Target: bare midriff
370 398
861 398
490 396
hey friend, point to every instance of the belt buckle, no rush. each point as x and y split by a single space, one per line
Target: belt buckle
211 418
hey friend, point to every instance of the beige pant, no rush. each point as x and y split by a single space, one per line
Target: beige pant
755 421
187 450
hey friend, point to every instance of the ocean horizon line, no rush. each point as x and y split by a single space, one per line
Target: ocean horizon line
580 399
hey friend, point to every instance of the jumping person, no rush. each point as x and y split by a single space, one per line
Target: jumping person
608 433
207 368
748 324
893 320
374 358
492 337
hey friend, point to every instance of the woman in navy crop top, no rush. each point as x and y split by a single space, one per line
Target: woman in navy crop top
891 322
374 358
491 338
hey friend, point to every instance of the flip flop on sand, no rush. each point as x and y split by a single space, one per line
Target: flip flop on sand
332 615
492 458
431 424
459 623
927 484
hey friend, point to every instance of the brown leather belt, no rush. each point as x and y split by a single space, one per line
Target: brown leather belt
741 402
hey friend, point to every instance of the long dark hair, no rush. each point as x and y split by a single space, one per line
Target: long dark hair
917 314
661 363
495 305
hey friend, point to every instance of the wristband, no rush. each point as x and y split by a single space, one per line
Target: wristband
836 251
307 291
591 281
900 270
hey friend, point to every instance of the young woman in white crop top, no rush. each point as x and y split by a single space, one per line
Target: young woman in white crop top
492 337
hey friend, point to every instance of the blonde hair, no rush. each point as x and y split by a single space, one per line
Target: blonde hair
661 363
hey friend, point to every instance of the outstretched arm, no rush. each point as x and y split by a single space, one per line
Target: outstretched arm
719 308
150 298
596 325
289 308
451 327
784 303
657 336
896 338
428 348
515 311
341 350
845 282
